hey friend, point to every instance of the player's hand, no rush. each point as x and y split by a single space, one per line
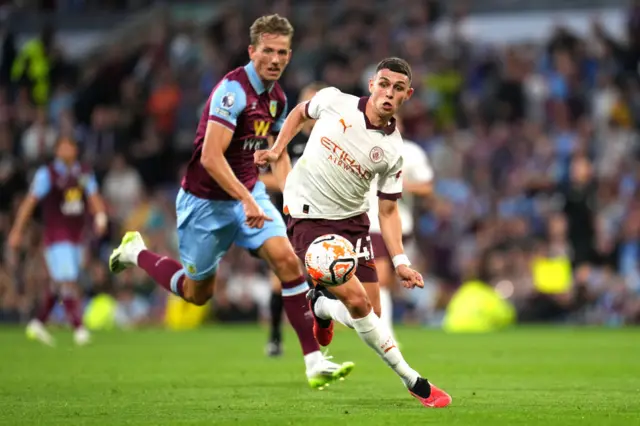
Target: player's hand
15 240
262 157
410 278
100 228
255 216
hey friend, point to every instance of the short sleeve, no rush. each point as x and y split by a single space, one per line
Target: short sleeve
283 116
320 102
91 186
228 100
41 184
390 184
418 168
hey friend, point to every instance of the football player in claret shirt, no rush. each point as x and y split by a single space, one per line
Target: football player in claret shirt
222 202
63 188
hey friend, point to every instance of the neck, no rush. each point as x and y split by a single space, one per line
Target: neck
266 83
67 163
375 118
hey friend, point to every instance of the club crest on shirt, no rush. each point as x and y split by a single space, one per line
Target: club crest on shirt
228 100
376 154
273 108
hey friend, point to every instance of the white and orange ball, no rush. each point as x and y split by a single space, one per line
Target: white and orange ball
331 260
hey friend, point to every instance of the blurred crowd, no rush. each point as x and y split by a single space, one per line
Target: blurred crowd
535 148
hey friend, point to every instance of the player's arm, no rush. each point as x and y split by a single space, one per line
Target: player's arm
227 103
290 128
309 110
97 206
390 223
421 189
40 187
270 181
389 191
281 168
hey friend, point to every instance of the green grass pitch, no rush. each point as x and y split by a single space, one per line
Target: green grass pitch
219 376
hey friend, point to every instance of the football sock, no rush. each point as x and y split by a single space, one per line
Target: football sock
386 309
165 271
276 307
326 308
374 333
46 306
297 309
72 309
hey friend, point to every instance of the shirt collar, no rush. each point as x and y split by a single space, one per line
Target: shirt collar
387 130
255 80
62 168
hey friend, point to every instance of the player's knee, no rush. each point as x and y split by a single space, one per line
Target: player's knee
200 299
287 263
198 292
358 305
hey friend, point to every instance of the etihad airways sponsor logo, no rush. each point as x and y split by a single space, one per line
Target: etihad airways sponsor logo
343 159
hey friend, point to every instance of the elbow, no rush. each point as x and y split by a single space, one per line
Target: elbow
207 161
386 213
426 190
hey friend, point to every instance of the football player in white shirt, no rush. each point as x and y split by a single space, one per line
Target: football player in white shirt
353 141
417 177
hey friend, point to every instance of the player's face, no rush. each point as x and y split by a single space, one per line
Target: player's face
271 55
389 90
67 151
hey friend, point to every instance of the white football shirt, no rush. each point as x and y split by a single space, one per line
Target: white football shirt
416 168
344 154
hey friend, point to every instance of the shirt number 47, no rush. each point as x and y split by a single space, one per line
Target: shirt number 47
364 251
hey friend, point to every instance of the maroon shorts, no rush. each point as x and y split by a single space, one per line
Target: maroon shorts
380 248
302 232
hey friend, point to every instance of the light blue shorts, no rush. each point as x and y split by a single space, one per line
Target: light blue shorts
63 261
207 228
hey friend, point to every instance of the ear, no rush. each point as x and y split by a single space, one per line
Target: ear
251 50
371 84
409 93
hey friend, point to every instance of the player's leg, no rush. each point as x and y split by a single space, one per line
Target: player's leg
331 308
378 337
386 280
36 328
274 345
205 233
271 244
63 262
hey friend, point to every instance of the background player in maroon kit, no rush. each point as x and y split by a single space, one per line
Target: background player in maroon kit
63 189
222 202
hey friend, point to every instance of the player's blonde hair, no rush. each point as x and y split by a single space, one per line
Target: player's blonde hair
270 24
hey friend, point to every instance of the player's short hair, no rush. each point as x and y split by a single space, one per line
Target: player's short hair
396 65
313 88
270 24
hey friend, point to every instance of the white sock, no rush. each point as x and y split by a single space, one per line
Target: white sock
374 333
386 309
333 309
311 359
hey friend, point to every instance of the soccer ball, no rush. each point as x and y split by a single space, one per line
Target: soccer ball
331 260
